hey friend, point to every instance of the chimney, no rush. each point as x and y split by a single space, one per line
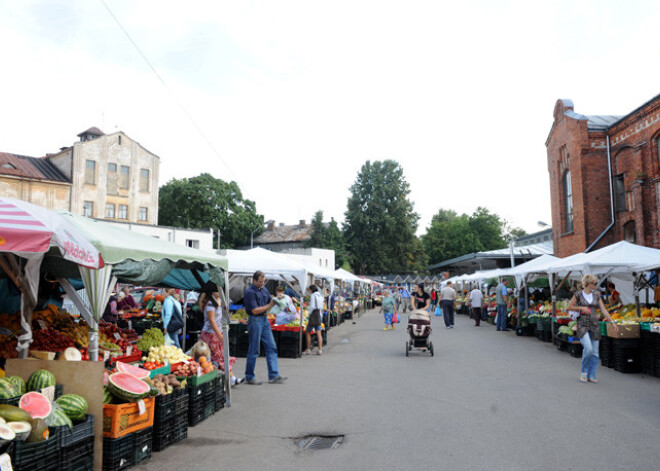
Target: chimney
302 223
271 225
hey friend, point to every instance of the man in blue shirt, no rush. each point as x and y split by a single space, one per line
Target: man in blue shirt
257 301
501 298
405 299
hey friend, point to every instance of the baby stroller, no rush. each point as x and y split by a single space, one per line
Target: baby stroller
419 328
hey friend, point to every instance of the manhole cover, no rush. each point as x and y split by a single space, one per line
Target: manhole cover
317 442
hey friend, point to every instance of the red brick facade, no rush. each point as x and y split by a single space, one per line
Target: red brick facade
579 144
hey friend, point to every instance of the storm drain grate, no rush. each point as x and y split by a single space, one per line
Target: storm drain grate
316 442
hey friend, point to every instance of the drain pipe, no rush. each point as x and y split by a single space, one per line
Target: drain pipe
609 173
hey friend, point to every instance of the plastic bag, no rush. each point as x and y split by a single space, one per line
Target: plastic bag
168 340
438 311
395 319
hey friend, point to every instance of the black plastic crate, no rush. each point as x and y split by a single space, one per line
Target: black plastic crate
197 416
525 331
181 403
315 341
165 408
164 436
200 402
180 432
81 463
143 445
46 463
29 456
575 349
118 453
605 352
81 448
648 352
80 431
544 335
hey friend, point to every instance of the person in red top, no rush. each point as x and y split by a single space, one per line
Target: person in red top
615 298
434 298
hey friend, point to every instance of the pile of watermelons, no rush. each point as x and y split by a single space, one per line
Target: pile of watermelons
29 421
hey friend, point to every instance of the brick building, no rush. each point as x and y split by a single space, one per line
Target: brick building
604 178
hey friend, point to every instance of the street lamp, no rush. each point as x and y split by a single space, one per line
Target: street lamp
252 235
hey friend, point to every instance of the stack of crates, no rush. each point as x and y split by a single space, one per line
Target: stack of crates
219 388
288 346
44 456
77 446
134 448
142 445
605 351
201 398
171 415
627 355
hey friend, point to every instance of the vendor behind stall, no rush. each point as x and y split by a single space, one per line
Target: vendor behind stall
111 311
126 301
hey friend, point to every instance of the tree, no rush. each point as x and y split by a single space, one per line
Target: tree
451 235
327 236
206 202
380 224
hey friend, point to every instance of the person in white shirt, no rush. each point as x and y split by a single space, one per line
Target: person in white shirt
314 322
476 300
284 309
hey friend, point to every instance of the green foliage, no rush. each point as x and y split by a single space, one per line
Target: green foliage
206 202
327 237
451 235
380 224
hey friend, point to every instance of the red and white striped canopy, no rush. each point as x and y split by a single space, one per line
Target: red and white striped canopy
28 228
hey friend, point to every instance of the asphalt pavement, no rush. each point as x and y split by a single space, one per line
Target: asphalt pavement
487 400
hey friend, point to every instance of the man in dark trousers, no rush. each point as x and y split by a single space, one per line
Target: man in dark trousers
258 301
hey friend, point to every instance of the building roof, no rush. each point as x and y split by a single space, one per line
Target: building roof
30 167
94 131
285 233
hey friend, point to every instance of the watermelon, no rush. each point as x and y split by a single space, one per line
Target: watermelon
21 429
6 433
107 396
59 419
36 404
74 406
19 383
136 371
7 389
13 414
127 387
40 379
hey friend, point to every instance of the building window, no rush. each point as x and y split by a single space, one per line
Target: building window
123 177
88 209
112 168
568 202
123 211
629 232
620 194
144 213
90 172
193 244
119 140
110 210
144 179
111 187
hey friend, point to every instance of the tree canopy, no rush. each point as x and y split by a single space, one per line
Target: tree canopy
206 202
380 223
451 235
327 237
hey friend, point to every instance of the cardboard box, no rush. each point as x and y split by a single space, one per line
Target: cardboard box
630 331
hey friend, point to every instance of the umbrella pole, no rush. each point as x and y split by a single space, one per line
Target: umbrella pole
225 343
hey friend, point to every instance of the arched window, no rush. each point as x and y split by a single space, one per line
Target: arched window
629 232
568 202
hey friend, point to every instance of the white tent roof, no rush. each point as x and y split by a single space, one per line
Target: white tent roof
274 265
347 276
621 257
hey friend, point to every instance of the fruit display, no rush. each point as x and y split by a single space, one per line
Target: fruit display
111 334
152 365
39 380
127 387
10 323
166 353
239 316
50 340
36 404
189 369
151 338
206 365
73 405
11 413
136 371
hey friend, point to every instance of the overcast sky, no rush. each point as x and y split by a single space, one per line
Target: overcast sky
290 98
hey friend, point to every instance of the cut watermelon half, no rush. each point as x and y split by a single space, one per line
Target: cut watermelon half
127 387
136 371
36 404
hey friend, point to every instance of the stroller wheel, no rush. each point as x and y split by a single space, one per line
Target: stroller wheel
407 349
431 348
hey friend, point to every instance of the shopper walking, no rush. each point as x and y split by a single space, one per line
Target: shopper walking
406 299
172 317
448 296
314 321
257 301
421 300
476 299
210 305
586 303
387 308
502 298
396 294
434 299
